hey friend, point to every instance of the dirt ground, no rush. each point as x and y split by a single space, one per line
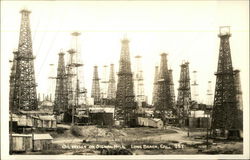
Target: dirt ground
172 136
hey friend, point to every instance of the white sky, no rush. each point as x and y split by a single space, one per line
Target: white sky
185 30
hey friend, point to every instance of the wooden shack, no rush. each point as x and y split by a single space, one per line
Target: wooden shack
21 142
150 122
101 116
46 122
42 142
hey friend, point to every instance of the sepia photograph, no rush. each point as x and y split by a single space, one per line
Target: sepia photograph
124 79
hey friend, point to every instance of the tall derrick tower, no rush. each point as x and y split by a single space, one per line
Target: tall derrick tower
239 102
104 82
74 68
61 93
52 82
125 104
155 86
171 83
238 89
12 79
164 103
194 87
139 82
74 63
209 99
25 96
111 85
184 93
95 92
224 115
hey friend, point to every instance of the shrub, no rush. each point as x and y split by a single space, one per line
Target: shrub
76 131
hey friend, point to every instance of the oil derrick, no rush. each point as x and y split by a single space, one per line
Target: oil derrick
155 86
70 79
111 85
209 98
237 85
95 92
184 93
125 104
25 96
104 83
164 105
224 115
194 87
239 102
73 66
52 80
12 79
138 82
74 63
171 83
61 93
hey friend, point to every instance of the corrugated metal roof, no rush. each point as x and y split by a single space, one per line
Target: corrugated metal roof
47 103
47 118
42 136
106 110
21 135
156 119
36 136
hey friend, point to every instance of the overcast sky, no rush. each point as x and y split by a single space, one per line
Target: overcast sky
185 30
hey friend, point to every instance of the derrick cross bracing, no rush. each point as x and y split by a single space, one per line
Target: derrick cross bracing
225 113
25 95
61 93
125 103
184 93
164 104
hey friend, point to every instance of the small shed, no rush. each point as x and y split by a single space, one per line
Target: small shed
42 142
155 122
150 122
47 122
21 142
101 116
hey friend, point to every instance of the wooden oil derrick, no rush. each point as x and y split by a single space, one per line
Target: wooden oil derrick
184 94
12 80
125 103
239 101
61 93
155 86
52 82
104 84
238 89
139 82
25 95
224 116
112 83
209 99
194 87
171 83
164 105
95 92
